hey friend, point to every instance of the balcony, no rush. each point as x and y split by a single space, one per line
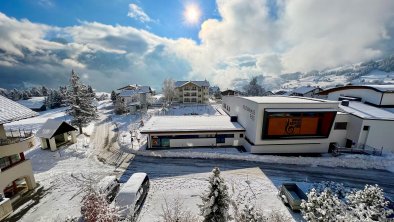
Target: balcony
16 142
22 169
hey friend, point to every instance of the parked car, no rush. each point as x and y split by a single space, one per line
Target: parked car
132 195
291 194
109 186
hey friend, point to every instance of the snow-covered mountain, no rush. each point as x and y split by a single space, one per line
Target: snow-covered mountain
379 71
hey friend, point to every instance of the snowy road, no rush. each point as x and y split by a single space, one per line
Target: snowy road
169 167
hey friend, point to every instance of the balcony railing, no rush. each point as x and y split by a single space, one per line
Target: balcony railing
15 136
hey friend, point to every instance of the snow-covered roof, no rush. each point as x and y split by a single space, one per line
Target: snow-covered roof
198 83
12 111
365 111
50 127
304 89
128 191
378 88
33 102
286 99
190 124
139 90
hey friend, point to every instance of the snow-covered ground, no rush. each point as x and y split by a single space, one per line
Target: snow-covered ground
61 175
245 185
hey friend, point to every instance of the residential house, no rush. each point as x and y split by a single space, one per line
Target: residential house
192 91
16 174
306 91
133 97
230 92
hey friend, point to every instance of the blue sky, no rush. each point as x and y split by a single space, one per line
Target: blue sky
167 16
118 42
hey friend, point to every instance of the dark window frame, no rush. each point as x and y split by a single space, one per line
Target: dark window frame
340 125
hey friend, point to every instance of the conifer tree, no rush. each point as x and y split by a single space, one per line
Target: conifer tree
113 96
80 101
215 203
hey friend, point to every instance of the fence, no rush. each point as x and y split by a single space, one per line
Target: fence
15 136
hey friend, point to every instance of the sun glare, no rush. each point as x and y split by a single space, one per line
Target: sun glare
192 14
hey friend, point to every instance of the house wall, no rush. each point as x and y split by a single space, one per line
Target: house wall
338 135
245 110
188 90
367 95
21 170
200 142
354 128
388 99
380 134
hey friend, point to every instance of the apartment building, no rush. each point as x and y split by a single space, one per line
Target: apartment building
192 91
16 174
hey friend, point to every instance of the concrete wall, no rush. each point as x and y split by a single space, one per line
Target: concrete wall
354 128
367 95
388 99
202 142
339 136
15 148
21 170
381 134
246 111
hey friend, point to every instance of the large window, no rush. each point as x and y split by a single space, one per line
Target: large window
292 125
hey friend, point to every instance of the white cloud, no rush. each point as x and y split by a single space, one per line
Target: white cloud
246 41
138 13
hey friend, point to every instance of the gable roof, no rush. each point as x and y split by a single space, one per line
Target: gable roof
53 127
11 111
140 90
377 88
198 83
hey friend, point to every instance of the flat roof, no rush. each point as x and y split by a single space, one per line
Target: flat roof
190 124
285 99
365 111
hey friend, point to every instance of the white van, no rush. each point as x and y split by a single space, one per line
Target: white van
132 195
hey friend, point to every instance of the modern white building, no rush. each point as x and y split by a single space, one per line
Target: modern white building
193 131
376 95
16 174
368 126
282 124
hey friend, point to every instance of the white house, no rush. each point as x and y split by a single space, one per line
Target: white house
34 103
133 97
16 173
368 126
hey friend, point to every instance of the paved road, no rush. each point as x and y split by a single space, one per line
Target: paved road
278 173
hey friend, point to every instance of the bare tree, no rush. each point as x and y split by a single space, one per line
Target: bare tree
174 212
169 90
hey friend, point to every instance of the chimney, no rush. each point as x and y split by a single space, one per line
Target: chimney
345 102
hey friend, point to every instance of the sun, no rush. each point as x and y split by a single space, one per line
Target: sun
192 14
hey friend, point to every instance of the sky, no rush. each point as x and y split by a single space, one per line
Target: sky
114 43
